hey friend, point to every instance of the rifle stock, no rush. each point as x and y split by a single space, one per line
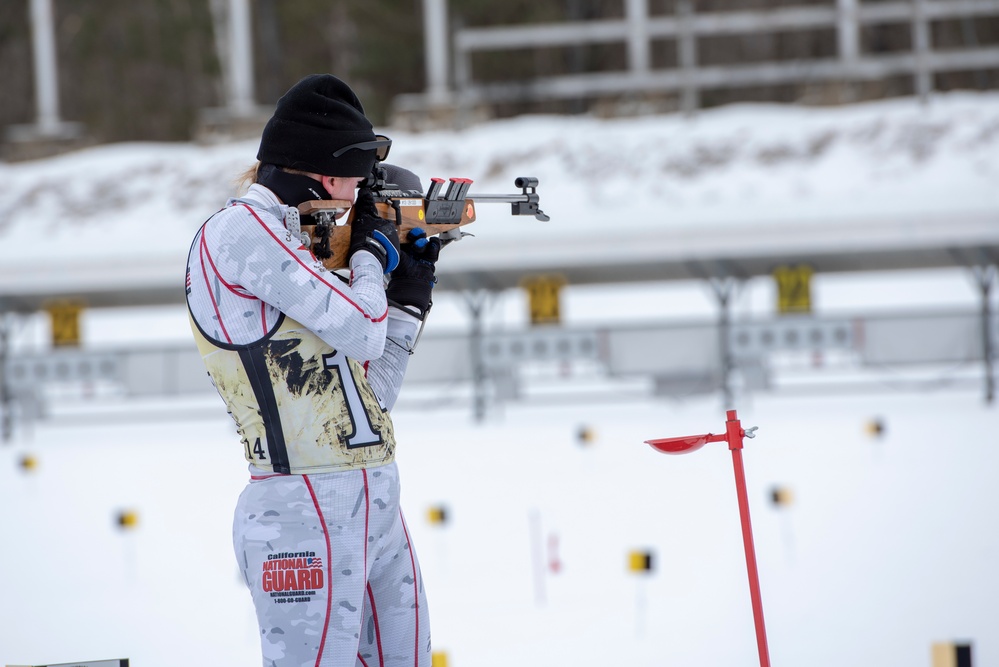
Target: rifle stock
438 216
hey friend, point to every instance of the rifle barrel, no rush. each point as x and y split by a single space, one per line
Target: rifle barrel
527 203
502 199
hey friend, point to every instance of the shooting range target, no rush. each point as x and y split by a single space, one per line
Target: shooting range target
875 427
781 496
585 435
950 654
437 515
28 463
640 561
127 519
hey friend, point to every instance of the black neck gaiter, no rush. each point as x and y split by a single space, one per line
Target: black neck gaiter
292 189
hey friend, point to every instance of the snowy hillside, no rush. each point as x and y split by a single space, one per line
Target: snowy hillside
128 212
726 165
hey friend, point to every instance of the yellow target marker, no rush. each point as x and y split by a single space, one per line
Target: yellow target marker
544 294
781 496
585 435
28 463
875 428
437 515
640 561
65 318
949 654
128 519
794 288
438 659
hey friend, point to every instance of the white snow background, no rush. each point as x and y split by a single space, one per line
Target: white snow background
891 542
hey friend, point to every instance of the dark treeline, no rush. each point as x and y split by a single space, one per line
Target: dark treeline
144 69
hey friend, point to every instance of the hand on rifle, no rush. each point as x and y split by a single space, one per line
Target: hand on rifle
370 232
413 280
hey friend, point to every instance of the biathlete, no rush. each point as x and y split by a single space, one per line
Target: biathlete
309 366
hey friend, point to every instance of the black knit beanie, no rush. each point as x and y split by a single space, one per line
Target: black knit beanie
317 116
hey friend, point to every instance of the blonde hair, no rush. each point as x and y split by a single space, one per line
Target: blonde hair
247 178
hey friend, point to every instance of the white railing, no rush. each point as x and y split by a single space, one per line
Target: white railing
667 359
638 29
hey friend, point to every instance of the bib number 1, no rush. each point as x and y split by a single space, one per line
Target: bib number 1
363 433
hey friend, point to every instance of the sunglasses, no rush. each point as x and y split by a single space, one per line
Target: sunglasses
380 145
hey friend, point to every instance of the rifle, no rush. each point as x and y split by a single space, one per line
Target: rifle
438 213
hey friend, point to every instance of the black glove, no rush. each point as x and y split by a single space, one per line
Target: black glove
413 280
370 232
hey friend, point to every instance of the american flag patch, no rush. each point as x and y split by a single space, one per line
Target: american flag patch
314 562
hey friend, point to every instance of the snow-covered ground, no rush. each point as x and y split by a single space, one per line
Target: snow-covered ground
889 546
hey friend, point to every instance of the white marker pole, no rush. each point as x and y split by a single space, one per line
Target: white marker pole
537 556
46 77
240 59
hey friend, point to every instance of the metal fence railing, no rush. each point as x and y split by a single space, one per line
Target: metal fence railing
668 358
637 31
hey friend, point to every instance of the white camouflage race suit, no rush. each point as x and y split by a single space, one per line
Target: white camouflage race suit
309 368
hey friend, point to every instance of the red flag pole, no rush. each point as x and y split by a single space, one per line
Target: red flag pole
734 431
733 436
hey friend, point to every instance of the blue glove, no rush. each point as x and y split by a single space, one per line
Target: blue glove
375 234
